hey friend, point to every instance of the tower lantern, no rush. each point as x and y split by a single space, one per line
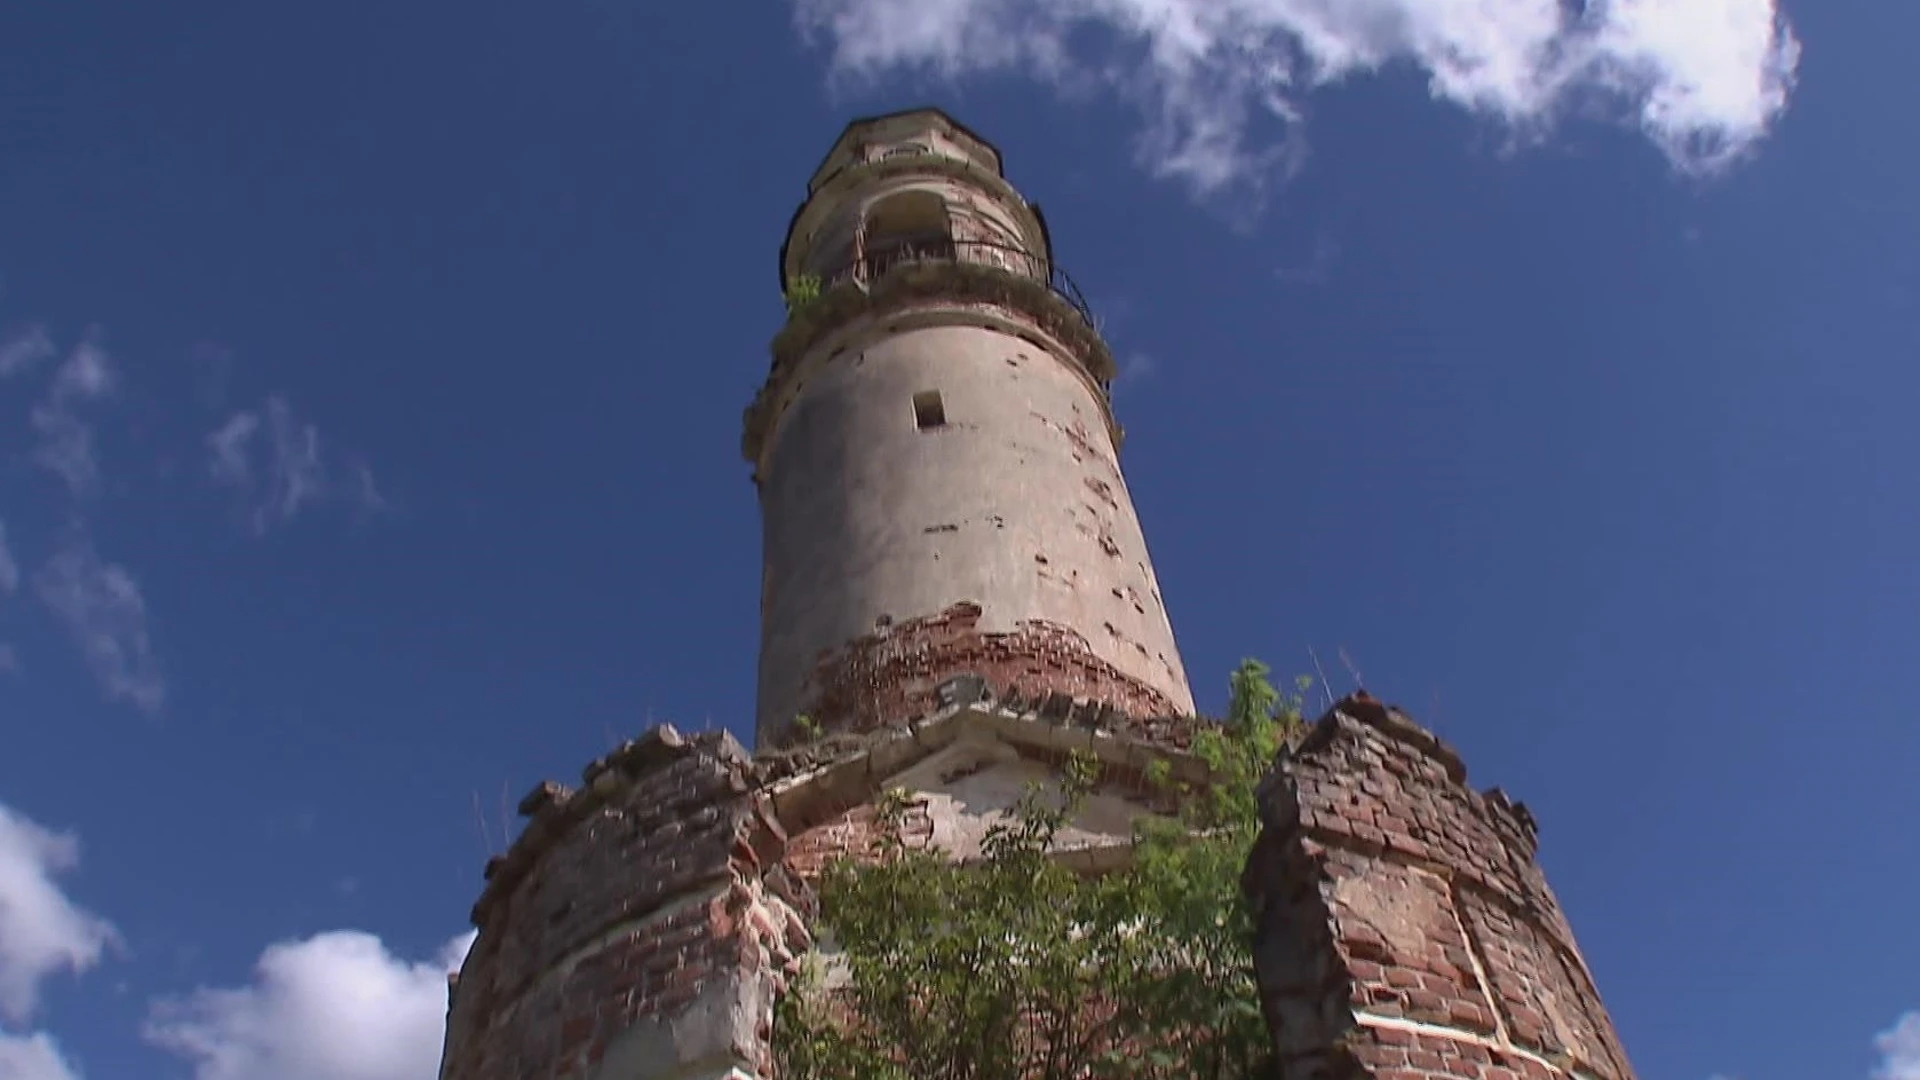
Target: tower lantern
936 454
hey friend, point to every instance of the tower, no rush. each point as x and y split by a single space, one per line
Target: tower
936 459
936 453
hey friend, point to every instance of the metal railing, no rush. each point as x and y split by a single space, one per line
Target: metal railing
870 266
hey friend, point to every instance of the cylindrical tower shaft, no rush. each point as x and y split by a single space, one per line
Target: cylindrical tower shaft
936 454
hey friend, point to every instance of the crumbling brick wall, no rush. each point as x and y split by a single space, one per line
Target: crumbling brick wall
1404 929
629 931
642 927
892 673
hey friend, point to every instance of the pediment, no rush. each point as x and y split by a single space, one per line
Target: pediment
967 769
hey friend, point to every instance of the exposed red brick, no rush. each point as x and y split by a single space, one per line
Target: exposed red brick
1404 927
1387 883
654 873
889 676
856 834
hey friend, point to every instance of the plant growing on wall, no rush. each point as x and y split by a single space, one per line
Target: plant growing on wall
802 291
1015 967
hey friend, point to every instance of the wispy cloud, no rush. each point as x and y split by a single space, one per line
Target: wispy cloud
42 931
9 584
9 566
24 350
1316 267
229 447
1704 79
102 609
66 446
33 1057
288 1023
366 491
1899 1048
276 460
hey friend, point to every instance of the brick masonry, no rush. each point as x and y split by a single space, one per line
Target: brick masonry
1405 930
893 672
631 926
642 926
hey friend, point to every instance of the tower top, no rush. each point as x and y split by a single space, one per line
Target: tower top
900 127
923 136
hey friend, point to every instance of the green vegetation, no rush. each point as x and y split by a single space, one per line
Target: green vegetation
802 291
1014 967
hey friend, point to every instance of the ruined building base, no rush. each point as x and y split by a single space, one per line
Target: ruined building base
1403 928
642 927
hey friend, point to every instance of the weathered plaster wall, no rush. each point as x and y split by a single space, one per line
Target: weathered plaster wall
1002 540
1015 508
1405 930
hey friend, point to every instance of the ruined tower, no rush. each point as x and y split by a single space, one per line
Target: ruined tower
956 581
936 453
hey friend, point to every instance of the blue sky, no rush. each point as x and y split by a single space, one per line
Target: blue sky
370 389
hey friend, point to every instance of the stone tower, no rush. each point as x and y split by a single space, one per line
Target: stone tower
956 583
936 453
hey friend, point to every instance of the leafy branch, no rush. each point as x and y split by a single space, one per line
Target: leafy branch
1014 967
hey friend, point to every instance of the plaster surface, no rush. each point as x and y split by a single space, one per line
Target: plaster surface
1015 503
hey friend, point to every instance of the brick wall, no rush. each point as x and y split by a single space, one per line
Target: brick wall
629 931
893 673
1405 931
641 927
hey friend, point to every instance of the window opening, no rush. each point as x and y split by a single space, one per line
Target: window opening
928 410
904 227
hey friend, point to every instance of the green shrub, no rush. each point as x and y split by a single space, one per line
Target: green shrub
1014 967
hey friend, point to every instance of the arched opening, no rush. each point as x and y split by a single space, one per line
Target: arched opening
906 226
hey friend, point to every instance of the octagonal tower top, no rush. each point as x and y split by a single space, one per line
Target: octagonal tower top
909 138
908 131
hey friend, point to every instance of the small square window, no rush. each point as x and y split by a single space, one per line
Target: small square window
928 411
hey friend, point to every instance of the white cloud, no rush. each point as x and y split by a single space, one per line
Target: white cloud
33 1057
1137 367
229 447
1704 79
296 476
42 931
66 449
66 441
86 373
24 350
9 567
1899 1048
102 608
365 491
9 584
336 1006
292 474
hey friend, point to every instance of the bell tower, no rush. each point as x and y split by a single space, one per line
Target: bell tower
936 454
949 542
